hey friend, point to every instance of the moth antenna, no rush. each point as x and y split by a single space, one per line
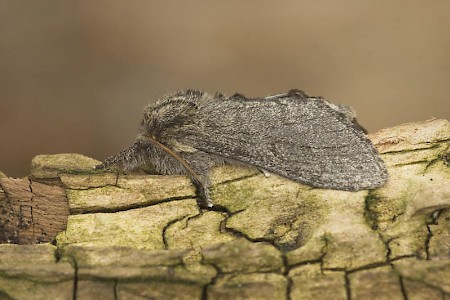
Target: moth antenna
176 156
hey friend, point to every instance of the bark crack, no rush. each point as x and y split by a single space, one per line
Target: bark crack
88 188
204 295
442 156
323 250
213 280
387 246
414 163
286 275
427 284
31 207
115 289
402 288
237 233
127 207
433 219
166 227
370 215
436 144
288 287
75 279
348 291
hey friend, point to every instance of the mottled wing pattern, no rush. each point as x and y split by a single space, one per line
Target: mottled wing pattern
304 139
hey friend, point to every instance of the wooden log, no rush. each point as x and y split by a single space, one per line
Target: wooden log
127 236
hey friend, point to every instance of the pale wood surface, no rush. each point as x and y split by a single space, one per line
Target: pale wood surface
145 237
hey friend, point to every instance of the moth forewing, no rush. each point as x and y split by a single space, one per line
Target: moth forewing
303 138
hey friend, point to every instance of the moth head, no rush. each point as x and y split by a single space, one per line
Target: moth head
170 111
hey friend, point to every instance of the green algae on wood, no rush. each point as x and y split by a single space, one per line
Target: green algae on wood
256 286
141 228
309 281
268 237
31 272
243 256
49 166
197 232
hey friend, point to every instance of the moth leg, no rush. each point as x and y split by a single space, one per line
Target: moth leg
204 191
129 159
202 163
208 199
202 183
266 173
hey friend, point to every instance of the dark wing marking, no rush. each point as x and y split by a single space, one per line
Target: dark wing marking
301 138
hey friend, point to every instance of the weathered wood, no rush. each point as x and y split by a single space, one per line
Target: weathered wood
144 236
31 212
31 272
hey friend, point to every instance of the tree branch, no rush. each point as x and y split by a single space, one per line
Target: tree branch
129 235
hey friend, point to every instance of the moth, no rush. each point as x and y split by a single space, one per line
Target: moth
303 138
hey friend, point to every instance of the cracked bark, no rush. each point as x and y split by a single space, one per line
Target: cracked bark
122 236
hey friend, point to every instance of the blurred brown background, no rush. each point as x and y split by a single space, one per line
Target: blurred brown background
75 75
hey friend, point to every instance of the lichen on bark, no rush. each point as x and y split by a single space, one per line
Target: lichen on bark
135 235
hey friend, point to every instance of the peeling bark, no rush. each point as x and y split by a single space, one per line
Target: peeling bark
129 236
31 212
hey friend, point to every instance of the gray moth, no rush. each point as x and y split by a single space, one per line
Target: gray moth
303 138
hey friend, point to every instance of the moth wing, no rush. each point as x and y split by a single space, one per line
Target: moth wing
304 139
